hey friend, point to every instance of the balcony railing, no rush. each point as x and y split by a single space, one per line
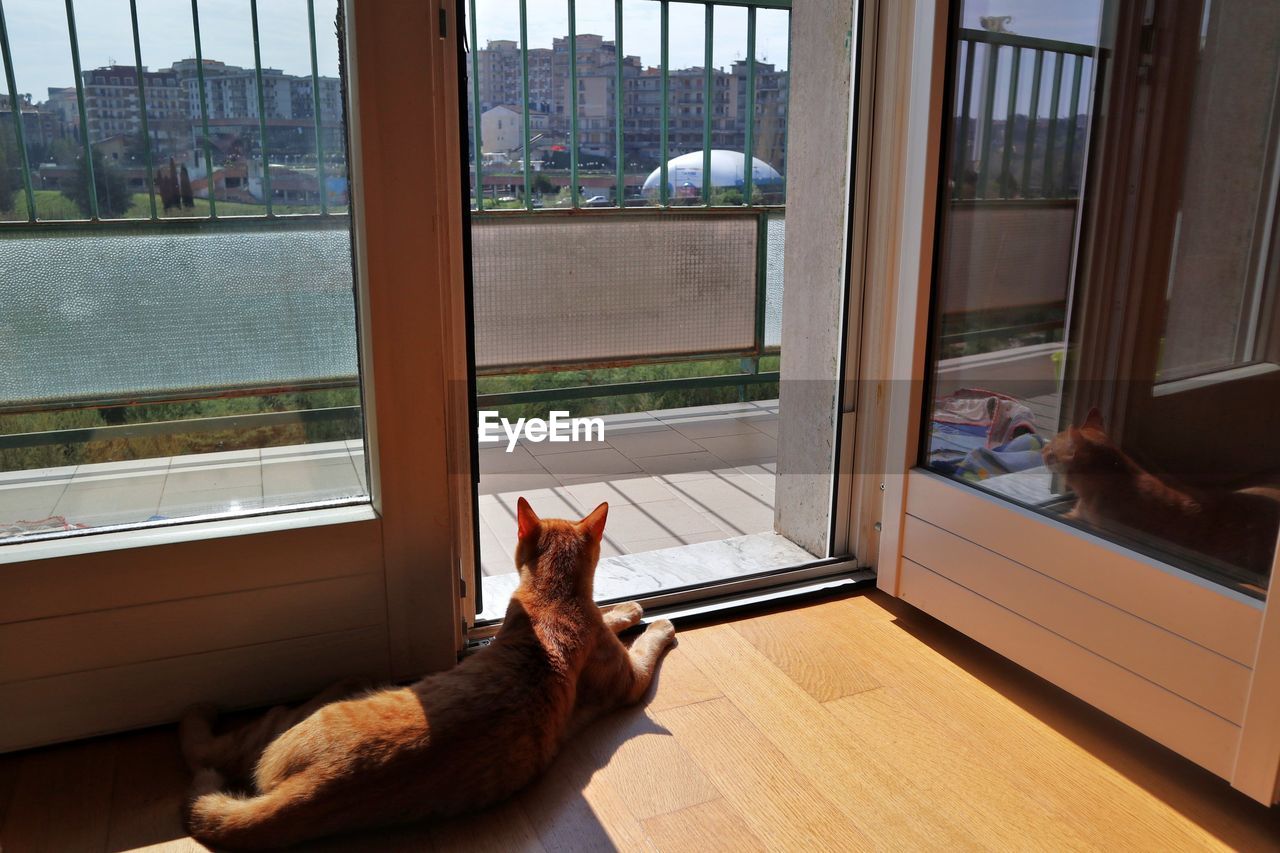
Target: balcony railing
204 142
708 276
1005 167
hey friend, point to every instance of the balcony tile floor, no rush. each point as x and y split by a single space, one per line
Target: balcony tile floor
673 477
664 485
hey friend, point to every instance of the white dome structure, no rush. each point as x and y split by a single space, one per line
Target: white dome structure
684 173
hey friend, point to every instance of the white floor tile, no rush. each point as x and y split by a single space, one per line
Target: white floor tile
620 491
682 466
653 520
297 481
30 502
742 449
653 443
643 545
587 462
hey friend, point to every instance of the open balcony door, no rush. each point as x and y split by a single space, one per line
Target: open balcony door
1181 646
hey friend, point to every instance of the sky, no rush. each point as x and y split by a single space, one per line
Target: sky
1064 20
42 55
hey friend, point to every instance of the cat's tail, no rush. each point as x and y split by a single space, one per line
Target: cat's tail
277 818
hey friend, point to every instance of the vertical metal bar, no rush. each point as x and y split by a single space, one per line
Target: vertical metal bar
321 177
84 116
962 125
619 163
524 93
786 134
762 280
748 156
1006 157
1068 168
573 103
664 192
204 111
142 106
708 100
1047 190
1033 118
262 107
16 107
988 118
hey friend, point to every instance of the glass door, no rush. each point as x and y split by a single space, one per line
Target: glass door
1096 492
630 200
1103 340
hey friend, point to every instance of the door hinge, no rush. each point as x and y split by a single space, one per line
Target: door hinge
444 23
462 587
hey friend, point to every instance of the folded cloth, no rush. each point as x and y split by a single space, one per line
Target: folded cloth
973 418
1020 454
44 525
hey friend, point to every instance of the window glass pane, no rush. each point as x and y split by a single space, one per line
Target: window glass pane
1103 342
161 370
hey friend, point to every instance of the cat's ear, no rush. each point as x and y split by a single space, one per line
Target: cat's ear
526 519
1093 420
593 524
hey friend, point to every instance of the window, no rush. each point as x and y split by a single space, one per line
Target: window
205 364
1115 389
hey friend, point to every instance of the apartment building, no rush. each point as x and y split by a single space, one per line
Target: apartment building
499 74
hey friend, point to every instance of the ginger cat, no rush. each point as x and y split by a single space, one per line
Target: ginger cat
453 742
1113 491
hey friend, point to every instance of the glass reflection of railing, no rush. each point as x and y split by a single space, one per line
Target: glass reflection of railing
1041 161
205 143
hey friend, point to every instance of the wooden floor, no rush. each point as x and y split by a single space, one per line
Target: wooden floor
847 724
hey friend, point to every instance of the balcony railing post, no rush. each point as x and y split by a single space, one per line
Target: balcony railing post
1068 167
762 281
1011 114
573 103
142 107
962 123
321 176
477 138
749 142
84 116
16 108
262 107
1054 99
619 162
708 100
210 185
1033 121
664 193
987 119
526 140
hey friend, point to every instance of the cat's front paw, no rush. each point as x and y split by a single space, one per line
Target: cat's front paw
663 630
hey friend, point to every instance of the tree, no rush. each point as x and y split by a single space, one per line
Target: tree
114 198
10 174
184 188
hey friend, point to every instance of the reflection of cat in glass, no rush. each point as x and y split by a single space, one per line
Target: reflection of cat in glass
1114 492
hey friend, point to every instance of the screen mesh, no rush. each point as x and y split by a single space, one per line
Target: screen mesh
611 289
111 315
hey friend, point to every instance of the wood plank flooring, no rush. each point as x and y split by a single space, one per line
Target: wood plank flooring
854 723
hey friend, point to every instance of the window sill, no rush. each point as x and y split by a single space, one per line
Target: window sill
169 534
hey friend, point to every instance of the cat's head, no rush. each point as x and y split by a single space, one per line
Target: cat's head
557 555
1082 450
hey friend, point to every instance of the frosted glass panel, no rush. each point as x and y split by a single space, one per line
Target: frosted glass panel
141 313
612 289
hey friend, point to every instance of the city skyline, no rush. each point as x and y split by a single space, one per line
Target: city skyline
42 54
